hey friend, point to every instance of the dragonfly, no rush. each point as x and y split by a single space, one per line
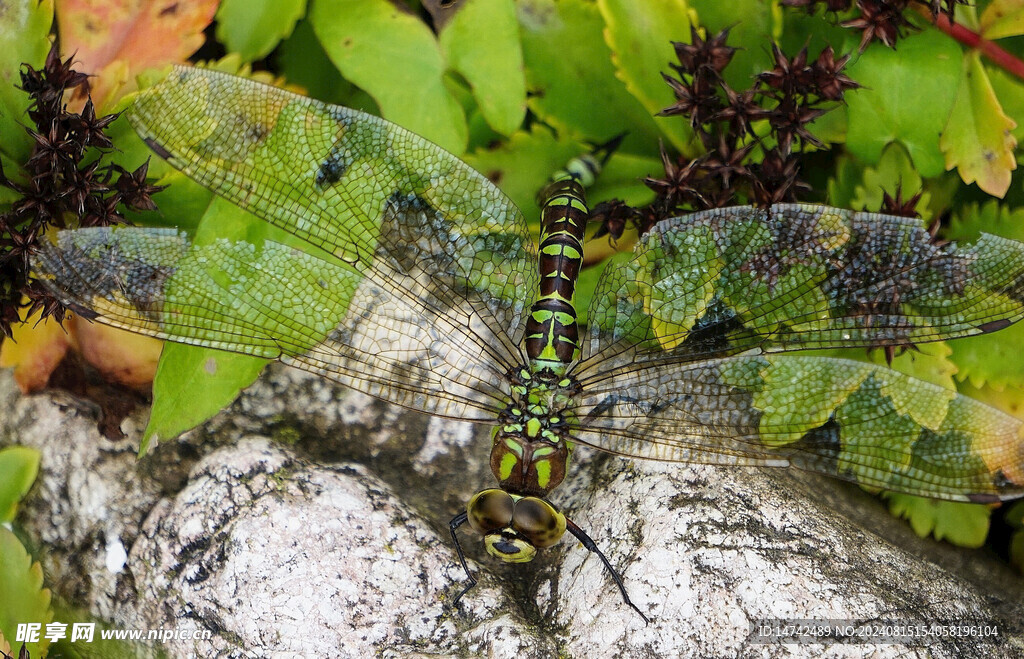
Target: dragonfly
418 282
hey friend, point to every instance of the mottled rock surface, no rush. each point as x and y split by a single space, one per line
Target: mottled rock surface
309 521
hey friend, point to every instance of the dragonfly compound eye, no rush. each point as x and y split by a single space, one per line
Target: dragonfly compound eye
490 510
538 521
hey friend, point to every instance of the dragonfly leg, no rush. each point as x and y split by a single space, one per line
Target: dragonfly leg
453 525
582 536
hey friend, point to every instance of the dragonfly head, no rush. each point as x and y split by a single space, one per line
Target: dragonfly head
514 527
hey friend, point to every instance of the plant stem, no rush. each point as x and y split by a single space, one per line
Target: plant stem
1001 58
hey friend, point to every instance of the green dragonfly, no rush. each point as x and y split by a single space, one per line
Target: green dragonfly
420 284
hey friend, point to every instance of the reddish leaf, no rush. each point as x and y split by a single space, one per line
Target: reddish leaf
115 39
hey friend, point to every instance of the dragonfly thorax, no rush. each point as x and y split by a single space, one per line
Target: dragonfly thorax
532 443
529 454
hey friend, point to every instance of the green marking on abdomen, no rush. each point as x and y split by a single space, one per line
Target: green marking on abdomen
552 331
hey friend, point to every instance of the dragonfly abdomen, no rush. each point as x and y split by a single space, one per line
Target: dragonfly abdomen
552 331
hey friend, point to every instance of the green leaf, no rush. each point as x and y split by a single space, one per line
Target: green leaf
893 172
1009 399
623 178
850 179
589 277
842 185
481 135
24 37
12 169
19 466
977 139
1010 92
1002 18
1015 519
303 62
194 384
989 359
992 217
396 59
929 362
796 29
993 359
750 29
252 28
521 165
928 63
181 204
963 524
1014 516
640 35
492 66
22 596
966 15
830 127
1017 550
579 94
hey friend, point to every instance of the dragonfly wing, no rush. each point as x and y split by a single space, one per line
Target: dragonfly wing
727 280
327 174
431 259
277 302
846 419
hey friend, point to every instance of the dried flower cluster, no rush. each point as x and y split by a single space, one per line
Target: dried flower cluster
884 20
904 207
65 178
740 162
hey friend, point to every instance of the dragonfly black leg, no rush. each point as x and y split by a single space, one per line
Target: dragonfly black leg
453 526
582 536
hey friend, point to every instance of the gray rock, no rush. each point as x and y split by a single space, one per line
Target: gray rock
335 542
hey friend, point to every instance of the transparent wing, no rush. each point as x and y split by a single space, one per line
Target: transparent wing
724 281
847 419
276 302
426 260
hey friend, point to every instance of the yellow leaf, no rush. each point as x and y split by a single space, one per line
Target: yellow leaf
1003 18
121 356
111 83
34 351
977 139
